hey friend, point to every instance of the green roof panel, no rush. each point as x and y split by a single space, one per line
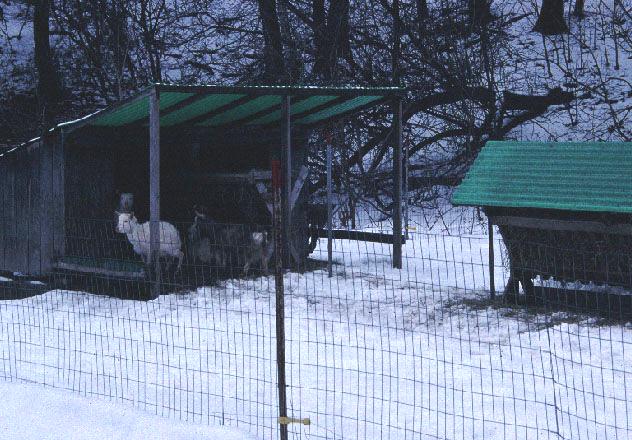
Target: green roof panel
137 109
295 108
570 176
250 107
205 104
338 109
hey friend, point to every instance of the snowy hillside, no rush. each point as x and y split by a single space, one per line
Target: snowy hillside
594 61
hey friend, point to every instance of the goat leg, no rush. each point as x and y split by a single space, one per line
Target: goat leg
169 264
180 258
264 264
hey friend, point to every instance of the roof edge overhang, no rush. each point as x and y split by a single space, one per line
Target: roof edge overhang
349 91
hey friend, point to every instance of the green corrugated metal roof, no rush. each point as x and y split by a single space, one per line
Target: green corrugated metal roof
297 107
570 176
338 108
197 108
136 110
254 105
244 110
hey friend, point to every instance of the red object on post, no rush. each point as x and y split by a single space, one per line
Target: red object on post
276 174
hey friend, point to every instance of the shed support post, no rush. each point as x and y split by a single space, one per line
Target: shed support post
154 192
490 234
329 211
286 158
397 182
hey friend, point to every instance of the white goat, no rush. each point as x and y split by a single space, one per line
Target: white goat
138 236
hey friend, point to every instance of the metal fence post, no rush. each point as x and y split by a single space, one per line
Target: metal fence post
286 159
329 212
397 183
279 290
490 234
154 191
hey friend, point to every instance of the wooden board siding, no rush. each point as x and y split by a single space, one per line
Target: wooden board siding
46 202
36 210
29 218
9 230
3 210
58 196
22 214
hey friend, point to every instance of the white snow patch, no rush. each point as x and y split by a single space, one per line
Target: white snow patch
35 412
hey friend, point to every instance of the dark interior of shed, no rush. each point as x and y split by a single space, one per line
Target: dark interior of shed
202 167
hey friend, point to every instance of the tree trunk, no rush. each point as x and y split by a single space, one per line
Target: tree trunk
579 9
48 88
333 43
396 52
480 12
320 31
292 57
422 10
274 63
551 19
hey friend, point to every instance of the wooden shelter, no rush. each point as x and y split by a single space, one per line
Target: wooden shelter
564 209
171 146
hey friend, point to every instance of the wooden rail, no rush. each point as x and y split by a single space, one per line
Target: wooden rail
371 237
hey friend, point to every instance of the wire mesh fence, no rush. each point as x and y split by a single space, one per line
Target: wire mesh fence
371 352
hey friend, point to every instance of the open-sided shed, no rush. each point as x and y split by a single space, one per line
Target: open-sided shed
171 146
564 209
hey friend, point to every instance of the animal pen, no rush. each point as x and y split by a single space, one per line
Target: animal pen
167 149
357 349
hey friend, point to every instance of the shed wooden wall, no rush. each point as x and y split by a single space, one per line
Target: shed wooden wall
31 230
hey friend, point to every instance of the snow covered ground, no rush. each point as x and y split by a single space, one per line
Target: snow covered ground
32 412
371 353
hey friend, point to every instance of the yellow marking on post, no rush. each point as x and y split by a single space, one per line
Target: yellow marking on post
288 420
411 228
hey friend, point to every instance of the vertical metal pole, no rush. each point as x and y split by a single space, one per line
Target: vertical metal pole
154 191
490 234
277 221
406 206
397 182
286 157
329 212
